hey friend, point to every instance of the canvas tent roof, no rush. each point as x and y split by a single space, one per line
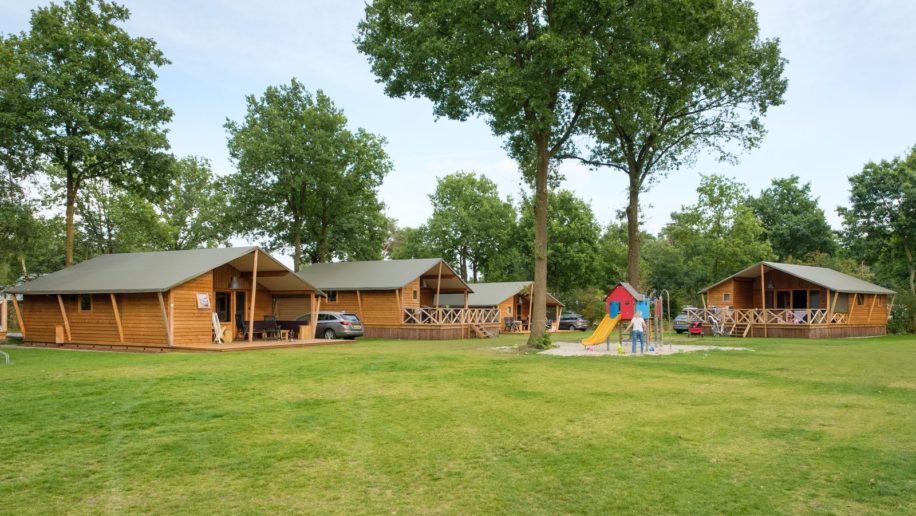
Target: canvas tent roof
492 294
380 274
158 272
822 276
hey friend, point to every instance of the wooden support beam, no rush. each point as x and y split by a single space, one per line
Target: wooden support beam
63 314
464 316
829 308
117 316
317 309
763 298
254 292
438 284
359 300
264 274
852 307
874 300
4 315
165 319
890 306
18 316
835 299
313 317
397 295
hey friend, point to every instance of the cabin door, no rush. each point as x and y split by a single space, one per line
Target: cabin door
240 316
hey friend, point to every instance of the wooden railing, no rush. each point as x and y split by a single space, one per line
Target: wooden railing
456 316
728 317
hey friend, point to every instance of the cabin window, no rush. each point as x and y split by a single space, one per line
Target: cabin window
800 299
860 299
509 309
415 294
222 306
814 296
85 301
727 297
332 296
783 299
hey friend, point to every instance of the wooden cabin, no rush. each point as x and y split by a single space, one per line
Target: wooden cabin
400 298
785 300
512 299
159 301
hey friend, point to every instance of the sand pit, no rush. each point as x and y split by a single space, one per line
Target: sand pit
574 349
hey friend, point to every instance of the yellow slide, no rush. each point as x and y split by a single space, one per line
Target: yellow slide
602 331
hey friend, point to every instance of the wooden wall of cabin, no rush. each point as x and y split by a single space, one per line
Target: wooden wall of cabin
410 294
867 308
193 325
786 282
378 306
141 319
290 308
507 309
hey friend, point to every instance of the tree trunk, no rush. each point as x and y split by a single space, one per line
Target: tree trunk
71 206
909 259
633 240
463 263
297 246
539 290
25 272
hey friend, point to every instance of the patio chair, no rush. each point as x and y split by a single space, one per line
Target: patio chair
271 328
509 324
241 328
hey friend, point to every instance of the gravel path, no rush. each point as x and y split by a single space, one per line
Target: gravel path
574 349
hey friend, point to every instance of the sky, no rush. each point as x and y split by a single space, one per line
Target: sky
851 97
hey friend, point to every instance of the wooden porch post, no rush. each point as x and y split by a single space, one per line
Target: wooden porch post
317 309
4 315
254 291
438 284
165 319
874 300
763 298
117 315
829 308
18 316
313 316
63 313
359 300
852 307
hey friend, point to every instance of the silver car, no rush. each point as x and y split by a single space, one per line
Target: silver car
336 325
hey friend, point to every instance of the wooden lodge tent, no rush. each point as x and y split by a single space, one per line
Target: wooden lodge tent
797 301
157 300
511 298
400 298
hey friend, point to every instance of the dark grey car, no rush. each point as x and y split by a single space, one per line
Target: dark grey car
573 321
336 325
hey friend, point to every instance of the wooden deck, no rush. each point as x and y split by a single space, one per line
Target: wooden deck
261 344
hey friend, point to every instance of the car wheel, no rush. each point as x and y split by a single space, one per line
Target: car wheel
679 331
329 334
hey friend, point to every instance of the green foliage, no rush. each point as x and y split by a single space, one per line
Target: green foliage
88 102
719 234
879 226
678 77
794 222
305 182
408 243
470 224
903 315
193 213
572 258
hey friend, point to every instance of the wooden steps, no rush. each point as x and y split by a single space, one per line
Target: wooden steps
481 332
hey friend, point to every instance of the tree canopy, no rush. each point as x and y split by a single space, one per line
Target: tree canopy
305 181
86 101
793 221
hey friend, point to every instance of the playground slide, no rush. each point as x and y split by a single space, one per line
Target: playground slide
602 332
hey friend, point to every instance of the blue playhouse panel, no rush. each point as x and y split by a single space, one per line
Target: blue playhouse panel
614 309
643 307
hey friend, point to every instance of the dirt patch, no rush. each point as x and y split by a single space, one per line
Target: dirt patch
574 349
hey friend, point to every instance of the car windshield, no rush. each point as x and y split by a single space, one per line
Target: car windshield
350 317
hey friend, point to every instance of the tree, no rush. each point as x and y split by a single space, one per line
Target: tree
527 67
409 243
573 258
114 220
193 213
795 225
90 105
720 234
470 224
304 180
880 223
678 77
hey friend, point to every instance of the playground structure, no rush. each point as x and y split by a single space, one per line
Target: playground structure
621 304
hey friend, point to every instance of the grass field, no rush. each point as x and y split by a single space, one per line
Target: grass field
454 427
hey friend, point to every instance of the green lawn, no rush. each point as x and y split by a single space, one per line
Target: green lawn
453 427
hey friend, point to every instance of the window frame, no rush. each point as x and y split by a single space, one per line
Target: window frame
79 302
